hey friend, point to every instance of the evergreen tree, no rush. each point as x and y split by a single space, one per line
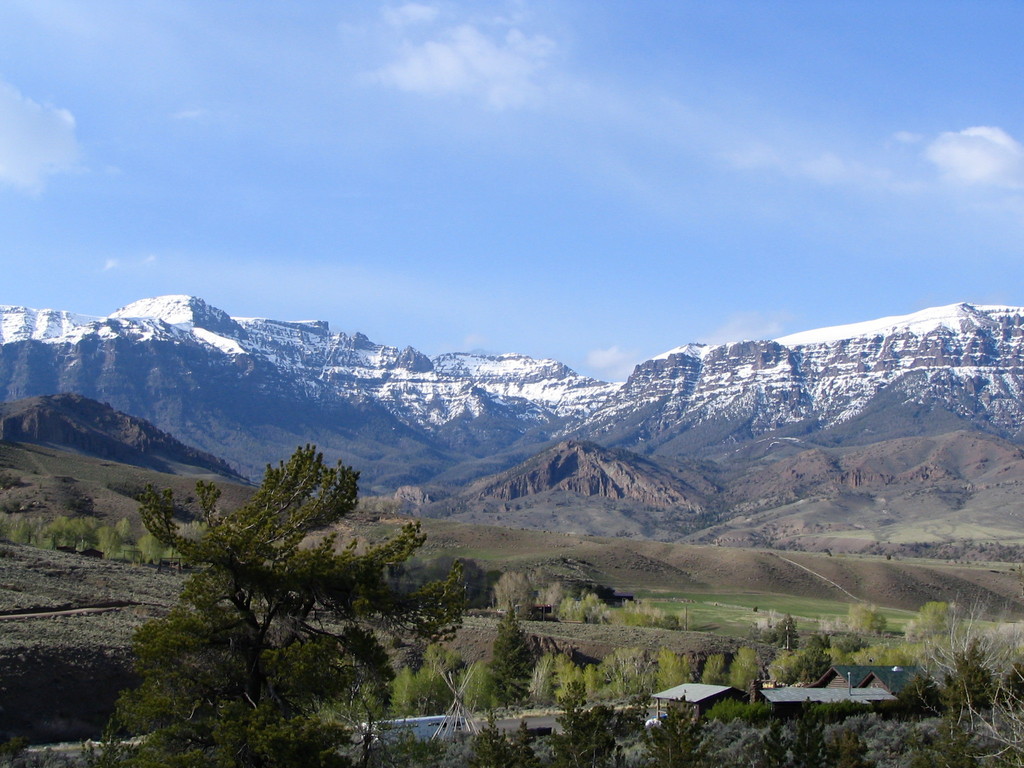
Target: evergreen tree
814 660
512 666
675 742
268 629
786 635
774 746
808 746
494 749
953 748
848 750
587 739
970 685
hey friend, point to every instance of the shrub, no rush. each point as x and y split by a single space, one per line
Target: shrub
838 711
751 713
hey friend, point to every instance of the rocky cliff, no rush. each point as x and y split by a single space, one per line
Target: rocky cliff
250 389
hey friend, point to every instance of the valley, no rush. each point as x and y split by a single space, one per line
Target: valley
722 488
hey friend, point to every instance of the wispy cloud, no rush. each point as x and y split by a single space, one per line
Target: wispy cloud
410 13
502 67
189 114
749 325
826 167
983 155
613 363
36 140
145 261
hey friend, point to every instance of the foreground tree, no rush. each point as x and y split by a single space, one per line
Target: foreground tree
676 741
271 628
512 666
493 748
589 738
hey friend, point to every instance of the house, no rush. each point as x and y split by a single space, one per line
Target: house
791 699
697 697
887 678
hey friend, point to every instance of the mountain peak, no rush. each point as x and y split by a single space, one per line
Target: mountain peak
83 425
954 317
587 469
179 310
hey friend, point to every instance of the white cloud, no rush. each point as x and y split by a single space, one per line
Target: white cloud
410 13
189 114
824 168
749 325
110 264
465 61
36 140
907 137
982 155
614 364
474 341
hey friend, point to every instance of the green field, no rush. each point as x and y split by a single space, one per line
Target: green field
734 613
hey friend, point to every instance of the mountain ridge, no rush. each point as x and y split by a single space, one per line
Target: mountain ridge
249 389
72 422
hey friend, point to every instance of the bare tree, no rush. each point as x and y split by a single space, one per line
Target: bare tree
979 667
514 592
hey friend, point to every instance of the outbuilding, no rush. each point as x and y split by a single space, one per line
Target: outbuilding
791 699
697 697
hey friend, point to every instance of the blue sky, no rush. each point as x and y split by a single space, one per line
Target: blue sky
595 182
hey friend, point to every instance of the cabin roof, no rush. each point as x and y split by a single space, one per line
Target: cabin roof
693 692
793 694
893 678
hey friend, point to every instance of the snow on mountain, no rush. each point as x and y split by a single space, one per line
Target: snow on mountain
964 358
23 324
419 390
955 317
690 350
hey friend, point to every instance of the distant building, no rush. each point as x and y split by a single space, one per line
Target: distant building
791 699
698 698
888 678
620 598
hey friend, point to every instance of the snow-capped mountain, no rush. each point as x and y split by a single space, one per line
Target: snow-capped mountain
172 350
250 389
963 360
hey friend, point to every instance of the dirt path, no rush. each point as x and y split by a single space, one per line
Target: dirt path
818 575
38 613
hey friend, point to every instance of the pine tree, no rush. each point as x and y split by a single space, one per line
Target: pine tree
675 742
268 628
848 750
774 746
512 666
808 745
494 749
587 738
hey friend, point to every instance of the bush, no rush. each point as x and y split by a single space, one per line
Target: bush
837 712
751 713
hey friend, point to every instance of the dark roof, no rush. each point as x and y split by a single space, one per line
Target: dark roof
694 692
795 694
893 678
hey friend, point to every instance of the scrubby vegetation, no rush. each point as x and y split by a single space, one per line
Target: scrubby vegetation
310 697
